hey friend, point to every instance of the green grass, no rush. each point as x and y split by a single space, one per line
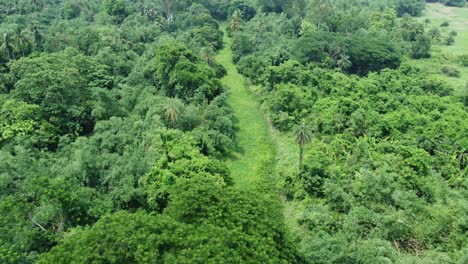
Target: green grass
443 55
255 149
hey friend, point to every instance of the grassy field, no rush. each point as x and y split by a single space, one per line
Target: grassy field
255 149
443 55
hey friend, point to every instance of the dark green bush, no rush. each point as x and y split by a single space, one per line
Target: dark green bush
463 60
449 40
450 71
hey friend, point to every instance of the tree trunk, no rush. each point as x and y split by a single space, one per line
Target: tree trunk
11 53
301 152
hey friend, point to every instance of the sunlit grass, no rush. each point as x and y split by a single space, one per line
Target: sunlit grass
443 55
247 164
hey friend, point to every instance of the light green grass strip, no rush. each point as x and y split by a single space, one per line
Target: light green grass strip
247 164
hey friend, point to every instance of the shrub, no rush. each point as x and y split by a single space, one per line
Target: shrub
434 33
421 47
458 3
449 40
445 24
453 33
463 60
450 71
411 7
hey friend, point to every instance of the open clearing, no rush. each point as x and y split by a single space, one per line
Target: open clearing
443 55
255 149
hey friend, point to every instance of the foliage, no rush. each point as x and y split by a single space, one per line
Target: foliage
421 47
411 7
373 172
87 114
62 85
188 231
181 74
303 133
449 40
458 3
463 60
450 71
119 141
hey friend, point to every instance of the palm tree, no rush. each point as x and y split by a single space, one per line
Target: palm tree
427 21
207 54
173 110
7 46
22 38
344 62
303 133
259 31
235 21
38 36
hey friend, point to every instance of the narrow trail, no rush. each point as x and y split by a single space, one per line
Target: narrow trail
255 146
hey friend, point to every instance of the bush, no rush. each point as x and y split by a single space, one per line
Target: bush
449 40
458 3
411 7
445 24
453 33
434 33
421 47
463 60
450 71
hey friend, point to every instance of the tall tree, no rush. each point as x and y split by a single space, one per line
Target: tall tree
319 10
7 45
236 21
207 54
173 110
303 133
22 39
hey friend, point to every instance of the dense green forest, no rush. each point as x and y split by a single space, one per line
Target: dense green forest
233 131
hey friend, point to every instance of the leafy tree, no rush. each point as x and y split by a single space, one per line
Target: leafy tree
319 11
421 47
61 85
449 40
434 33
21 119
289 104
256 238
200 210
365 53
181 74
411 7
115 7
458 3
121 237
276 6
72 9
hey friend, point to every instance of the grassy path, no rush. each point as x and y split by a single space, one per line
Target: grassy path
255 147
